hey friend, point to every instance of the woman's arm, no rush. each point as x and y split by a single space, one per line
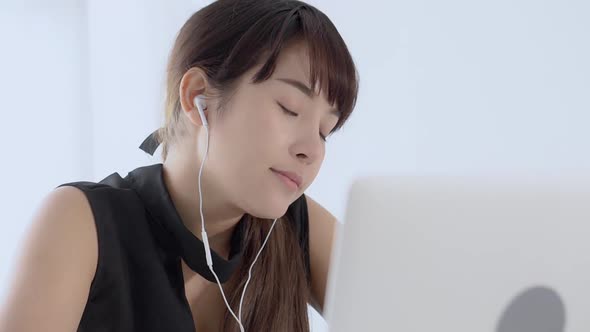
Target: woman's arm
322 225
55 267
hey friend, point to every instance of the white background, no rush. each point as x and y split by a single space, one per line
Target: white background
454 86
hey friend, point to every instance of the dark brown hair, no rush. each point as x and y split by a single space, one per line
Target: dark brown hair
225 39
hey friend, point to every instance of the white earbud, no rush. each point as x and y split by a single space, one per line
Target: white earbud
200 105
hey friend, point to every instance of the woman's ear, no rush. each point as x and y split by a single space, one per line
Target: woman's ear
192 85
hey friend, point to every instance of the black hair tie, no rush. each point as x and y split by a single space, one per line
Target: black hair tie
150 143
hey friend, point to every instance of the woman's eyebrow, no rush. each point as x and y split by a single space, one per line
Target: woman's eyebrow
306 90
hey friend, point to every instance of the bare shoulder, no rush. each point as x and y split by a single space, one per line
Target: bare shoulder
64 220
322 226
55 266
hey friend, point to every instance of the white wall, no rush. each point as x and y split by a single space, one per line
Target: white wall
43 113
462 86
455 86
128 52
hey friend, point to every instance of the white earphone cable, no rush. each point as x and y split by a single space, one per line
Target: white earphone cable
206 240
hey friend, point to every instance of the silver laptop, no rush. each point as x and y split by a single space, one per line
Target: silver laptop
464 253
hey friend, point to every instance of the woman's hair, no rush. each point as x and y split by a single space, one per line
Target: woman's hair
225 39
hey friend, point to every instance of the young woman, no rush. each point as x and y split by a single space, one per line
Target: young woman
254 87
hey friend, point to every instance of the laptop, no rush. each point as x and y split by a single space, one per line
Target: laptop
462 253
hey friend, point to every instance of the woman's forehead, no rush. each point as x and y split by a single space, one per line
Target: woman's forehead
293 62
292 65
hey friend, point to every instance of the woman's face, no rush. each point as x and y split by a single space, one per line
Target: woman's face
257 134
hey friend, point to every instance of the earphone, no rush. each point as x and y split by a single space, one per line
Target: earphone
200 105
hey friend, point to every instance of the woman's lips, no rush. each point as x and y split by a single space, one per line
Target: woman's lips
292 180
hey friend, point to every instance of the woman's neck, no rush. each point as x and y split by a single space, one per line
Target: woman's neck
221 216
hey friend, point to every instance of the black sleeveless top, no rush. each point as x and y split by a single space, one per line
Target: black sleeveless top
138 284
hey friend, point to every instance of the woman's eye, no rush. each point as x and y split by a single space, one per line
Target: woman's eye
287 111
295 114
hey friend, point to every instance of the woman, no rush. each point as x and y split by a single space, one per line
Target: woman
272 80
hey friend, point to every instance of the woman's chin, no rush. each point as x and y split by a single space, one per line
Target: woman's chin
272 204
278 211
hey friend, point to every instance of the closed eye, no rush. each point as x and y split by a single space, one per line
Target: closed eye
287 111
295 114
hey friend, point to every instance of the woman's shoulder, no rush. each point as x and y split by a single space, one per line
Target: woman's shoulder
110 184
110 193
51 276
